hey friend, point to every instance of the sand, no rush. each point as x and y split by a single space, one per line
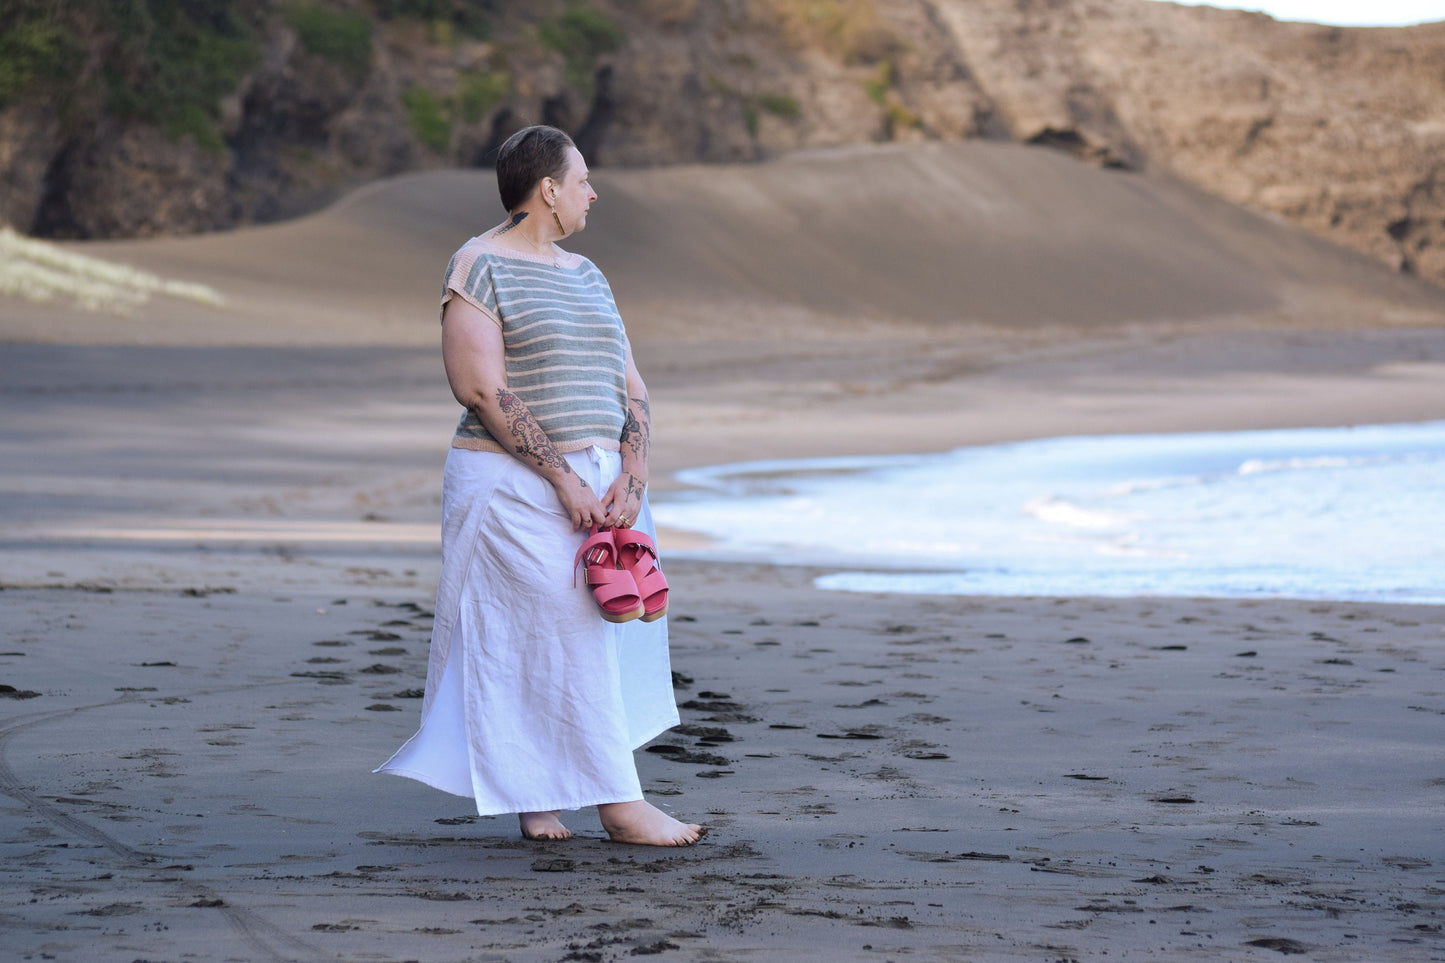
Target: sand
219 548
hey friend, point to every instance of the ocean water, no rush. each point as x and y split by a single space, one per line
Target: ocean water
1339 513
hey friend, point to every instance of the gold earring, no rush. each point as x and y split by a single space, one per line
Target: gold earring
553 204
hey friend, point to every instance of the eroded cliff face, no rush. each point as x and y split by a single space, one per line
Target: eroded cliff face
1339 131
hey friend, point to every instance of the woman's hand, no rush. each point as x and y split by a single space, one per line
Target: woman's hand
623 500
579 501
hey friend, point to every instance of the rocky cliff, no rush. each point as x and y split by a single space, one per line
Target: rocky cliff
1340 131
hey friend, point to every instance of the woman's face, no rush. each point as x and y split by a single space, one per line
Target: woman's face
574 195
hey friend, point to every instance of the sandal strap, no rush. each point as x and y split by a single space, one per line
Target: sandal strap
598 541
611 584
637 554
632 538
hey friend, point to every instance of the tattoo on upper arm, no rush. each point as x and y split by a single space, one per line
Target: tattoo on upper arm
528 439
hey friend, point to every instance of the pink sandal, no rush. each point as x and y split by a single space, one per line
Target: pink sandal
638 555
614 588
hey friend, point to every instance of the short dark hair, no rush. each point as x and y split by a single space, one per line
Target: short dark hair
529 155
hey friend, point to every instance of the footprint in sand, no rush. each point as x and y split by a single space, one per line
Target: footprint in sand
685 755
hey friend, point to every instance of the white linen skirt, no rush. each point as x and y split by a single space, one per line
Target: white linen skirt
533 701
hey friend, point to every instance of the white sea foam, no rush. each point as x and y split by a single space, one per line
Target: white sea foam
1060 512
1348 513
1258 466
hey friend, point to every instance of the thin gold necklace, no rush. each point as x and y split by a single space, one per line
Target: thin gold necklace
550 255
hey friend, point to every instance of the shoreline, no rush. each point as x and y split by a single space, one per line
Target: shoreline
301 454
1326 514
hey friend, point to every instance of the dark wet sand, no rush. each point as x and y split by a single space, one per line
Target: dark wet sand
884 778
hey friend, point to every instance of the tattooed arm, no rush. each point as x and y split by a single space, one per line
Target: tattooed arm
472 351
624 498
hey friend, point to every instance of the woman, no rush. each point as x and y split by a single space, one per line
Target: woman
534 704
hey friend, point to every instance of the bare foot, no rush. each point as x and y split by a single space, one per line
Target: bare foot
543 825
643 824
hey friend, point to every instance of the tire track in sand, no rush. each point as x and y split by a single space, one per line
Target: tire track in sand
262 936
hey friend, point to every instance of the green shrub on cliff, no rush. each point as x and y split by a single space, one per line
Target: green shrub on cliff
428 118
878 85
414 9
166 62
465 16
431 117
581 35
32 51
780 105
335 35
478 94
173 61
849 29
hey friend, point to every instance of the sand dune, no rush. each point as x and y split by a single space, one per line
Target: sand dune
938 235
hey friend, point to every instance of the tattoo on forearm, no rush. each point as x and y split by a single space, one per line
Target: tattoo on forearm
631 428
529 441
637 432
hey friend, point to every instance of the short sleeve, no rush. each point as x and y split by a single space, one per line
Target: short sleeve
612 303
469 277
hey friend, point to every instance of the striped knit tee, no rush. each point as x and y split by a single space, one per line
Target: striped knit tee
565 347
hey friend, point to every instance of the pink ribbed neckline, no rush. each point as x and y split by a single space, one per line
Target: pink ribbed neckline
567 260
